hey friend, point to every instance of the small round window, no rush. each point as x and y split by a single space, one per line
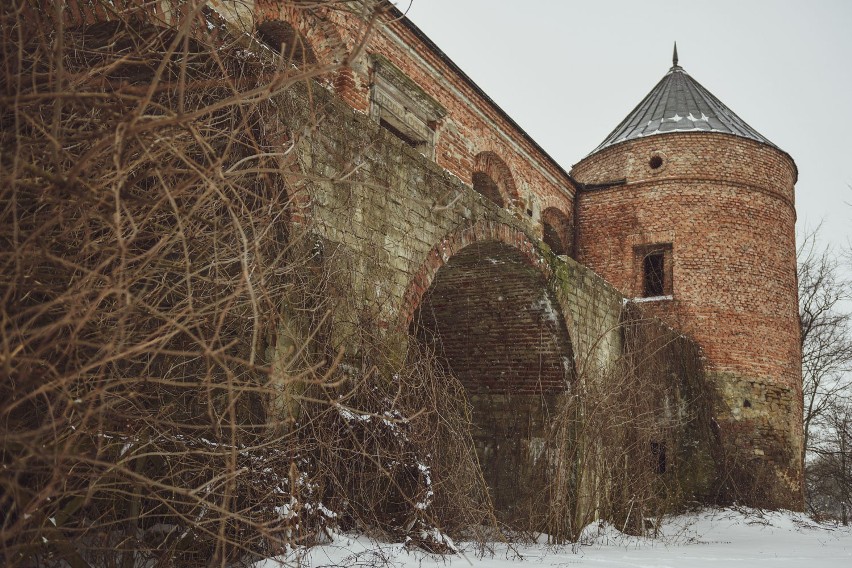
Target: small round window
656 162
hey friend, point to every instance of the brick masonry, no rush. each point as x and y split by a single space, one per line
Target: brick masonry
725 206
472 130
403 230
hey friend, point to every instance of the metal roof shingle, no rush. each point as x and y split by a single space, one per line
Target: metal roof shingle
679 103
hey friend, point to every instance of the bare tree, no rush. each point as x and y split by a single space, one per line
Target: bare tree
829 474
826 332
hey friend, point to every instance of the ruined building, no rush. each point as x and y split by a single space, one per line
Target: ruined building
689 209
453 228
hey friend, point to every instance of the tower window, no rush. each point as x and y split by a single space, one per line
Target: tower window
654 274
653 270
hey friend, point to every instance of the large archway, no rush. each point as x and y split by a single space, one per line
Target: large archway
492 321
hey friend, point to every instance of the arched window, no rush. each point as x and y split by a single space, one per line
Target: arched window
285 40
493 179
486 186
557 231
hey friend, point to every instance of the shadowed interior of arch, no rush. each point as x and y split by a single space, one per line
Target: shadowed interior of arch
483 184
285 40
493 323
557 231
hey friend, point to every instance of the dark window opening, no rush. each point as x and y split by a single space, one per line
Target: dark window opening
553 239
286 41
401 107
746 403
653 267
656 162
410 140
658 455
484 185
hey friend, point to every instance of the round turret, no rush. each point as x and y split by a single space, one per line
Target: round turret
690 212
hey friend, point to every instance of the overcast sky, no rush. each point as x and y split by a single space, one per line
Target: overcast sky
568 72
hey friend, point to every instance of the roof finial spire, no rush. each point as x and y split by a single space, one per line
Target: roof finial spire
674 55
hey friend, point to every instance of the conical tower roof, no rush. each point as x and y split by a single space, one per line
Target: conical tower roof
678 103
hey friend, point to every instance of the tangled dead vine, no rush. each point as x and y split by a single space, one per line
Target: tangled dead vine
168 391
158 403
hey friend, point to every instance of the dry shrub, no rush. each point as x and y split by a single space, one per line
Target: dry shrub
167 393
633 442
145 262
461 504
396 456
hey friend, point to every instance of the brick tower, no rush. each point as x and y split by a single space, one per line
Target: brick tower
687 209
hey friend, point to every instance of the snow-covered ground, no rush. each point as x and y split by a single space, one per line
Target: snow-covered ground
720 538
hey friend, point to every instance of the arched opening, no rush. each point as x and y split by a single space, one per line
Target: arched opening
493 323
282 38
484 185
557 231
493 179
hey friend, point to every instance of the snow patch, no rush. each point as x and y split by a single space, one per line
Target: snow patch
545 306
734 537
650 299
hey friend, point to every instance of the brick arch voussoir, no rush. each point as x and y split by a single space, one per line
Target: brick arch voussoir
455 242
490 163
320 33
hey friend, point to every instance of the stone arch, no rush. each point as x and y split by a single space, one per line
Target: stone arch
456 241
558 232
282 38
488 315
316 28
493 179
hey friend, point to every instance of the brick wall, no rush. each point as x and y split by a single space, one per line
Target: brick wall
396 222
396 227
407 242
473 127
725 205
496 323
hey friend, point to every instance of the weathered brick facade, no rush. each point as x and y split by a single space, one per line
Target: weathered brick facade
473 126
724 204
442 213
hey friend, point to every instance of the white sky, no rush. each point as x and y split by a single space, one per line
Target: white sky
568 72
